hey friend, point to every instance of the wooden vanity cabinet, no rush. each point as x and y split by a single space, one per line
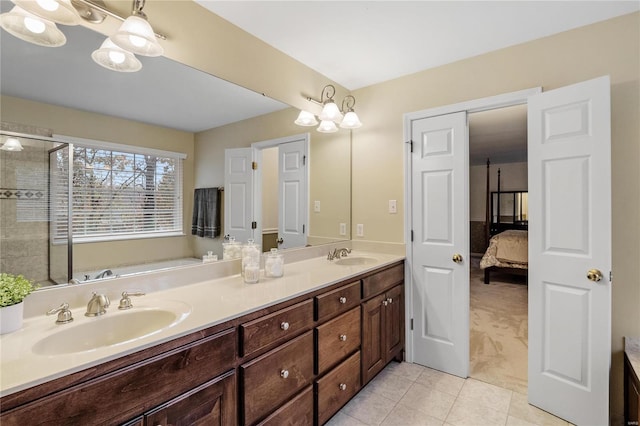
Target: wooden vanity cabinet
631 394
382 320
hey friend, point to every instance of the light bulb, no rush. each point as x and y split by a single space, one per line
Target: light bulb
137 41
48 5
116 57
34 25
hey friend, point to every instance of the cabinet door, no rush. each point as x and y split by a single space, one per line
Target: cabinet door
394 322
211 404
373 349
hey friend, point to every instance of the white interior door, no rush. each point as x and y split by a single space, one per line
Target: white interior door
440 225
292 194
569 235
238 193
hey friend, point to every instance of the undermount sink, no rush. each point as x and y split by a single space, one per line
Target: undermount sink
355 260
113 328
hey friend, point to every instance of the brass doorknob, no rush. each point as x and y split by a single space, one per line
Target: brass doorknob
457 258
594 275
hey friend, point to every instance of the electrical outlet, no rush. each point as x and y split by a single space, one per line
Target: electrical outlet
343 229
393 206
316 206
360 230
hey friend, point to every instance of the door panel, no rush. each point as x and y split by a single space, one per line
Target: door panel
570 234
292 179
440 286
238 194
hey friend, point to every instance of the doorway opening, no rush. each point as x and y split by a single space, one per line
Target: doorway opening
498 213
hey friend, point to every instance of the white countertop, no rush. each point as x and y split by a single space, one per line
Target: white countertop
212 302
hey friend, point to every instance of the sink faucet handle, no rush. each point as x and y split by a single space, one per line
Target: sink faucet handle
125 302
64 314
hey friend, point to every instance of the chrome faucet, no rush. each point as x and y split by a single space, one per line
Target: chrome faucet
97 305
104 273
338 253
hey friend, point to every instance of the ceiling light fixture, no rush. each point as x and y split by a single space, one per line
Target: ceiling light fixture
331 114
35 21
31 28
12 144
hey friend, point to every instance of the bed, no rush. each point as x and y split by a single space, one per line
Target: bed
506 231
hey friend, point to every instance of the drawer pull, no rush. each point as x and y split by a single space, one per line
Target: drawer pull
385 303
342 300
343 337
284 326
342 386
390 300
284 374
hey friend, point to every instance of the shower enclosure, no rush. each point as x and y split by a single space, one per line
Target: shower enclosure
35 202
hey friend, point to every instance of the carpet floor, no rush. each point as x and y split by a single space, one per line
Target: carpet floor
498 329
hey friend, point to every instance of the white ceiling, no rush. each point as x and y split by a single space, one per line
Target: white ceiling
360 43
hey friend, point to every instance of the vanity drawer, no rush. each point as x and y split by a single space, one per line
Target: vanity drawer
297 412
276 327
382 281
337 301
276 376
338 387
337 338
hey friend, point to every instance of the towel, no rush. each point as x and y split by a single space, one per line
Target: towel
206 213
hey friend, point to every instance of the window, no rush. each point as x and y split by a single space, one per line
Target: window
121 195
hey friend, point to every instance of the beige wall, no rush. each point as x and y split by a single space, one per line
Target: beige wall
81 124
611 47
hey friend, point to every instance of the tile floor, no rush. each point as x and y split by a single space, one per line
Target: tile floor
406 394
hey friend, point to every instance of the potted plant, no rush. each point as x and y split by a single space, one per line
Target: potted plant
13 290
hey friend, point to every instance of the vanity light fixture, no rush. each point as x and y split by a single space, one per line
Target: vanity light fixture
58 11
115 58
331 114
31 28
12 144
136 35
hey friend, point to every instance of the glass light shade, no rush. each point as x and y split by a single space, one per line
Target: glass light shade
137 36
330 112
28 27
12 144
305 118
58 11
114 58
327 126
350 121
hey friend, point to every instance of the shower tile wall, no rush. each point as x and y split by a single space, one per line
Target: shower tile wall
24 230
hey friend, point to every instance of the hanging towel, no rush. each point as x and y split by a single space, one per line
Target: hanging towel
206 213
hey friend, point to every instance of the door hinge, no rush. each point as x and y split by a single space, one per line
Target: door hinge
254 165
412 235
304 160
610 276
410 146
411 324
303 229
254 225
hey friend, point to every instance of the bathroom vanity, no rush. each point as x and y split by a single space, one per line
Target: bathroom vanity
302 358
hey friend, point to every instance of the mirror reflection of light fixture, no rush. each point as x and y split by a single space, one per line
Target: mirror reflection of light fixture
12 144
31 28
331 114
115 58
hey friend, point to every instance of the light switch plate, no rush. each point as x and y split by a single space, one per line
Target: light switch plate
343 229
360 230
316 206
393 206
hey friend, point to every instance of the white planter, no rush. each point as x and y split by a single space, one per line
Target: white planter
11 318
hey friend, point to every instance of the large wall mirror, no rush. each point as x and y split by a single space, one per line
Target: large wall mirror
182 111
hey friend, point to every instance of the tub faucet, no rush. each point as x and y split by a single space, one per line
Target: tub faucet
104 273
97 305
338 253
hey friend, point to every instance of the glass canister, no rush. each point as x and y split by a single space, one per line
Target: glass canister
250 255
274 264
231 249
